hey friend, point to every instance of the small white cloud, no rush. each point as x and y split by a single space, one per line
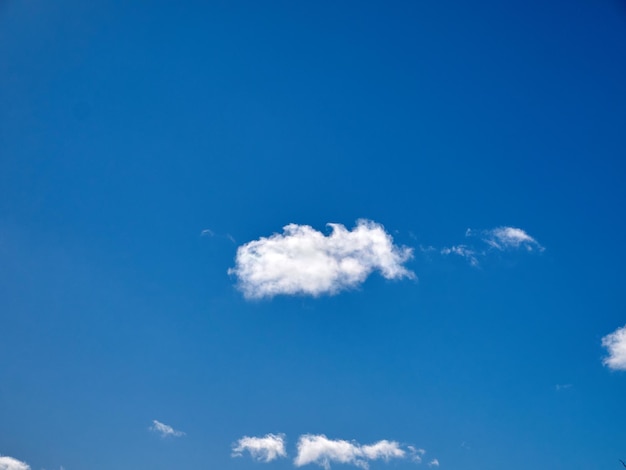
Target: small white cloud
416 454
384 450
207 232
318 449
263 449
165 430
9 463
304 261
500 238
504 238
615 344
462 251
559 387
433 463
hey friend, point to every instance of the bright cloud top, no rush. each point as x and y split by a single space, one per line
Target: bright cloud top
615 344
264 449
165 430
304 261
504 238
318 449
9 463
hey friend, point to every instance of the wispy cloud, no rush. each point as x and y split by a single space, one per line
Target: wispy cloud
615 344
486 241
165 430
207 232
506 238
559 387
463 251
318 449
433 463
416 454
9 463
304 261
263 449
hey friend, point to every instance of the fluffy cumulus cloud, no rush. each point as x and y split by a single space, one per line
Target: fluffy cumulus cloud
164 430
505 238
304 261
318 449
263 449
433 463
9 463
615 344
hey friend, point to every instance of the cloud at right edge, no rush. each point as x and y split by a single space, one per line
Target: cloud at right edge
615 344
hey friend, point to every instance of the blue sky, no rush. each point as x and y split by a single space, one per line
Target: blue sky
464 311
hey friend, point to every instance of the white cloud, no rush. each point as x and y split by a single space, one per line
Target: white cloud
615 343
500 238
462 251
264 449
504 238
9 463
318 449
416 454
304 261
383 450
165 430
433 463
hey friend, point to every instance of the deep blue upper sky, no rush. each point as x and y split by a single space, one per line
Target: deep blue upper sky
128 128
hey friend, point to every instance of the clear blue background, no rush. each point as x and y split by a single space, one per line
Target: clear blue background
127 128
